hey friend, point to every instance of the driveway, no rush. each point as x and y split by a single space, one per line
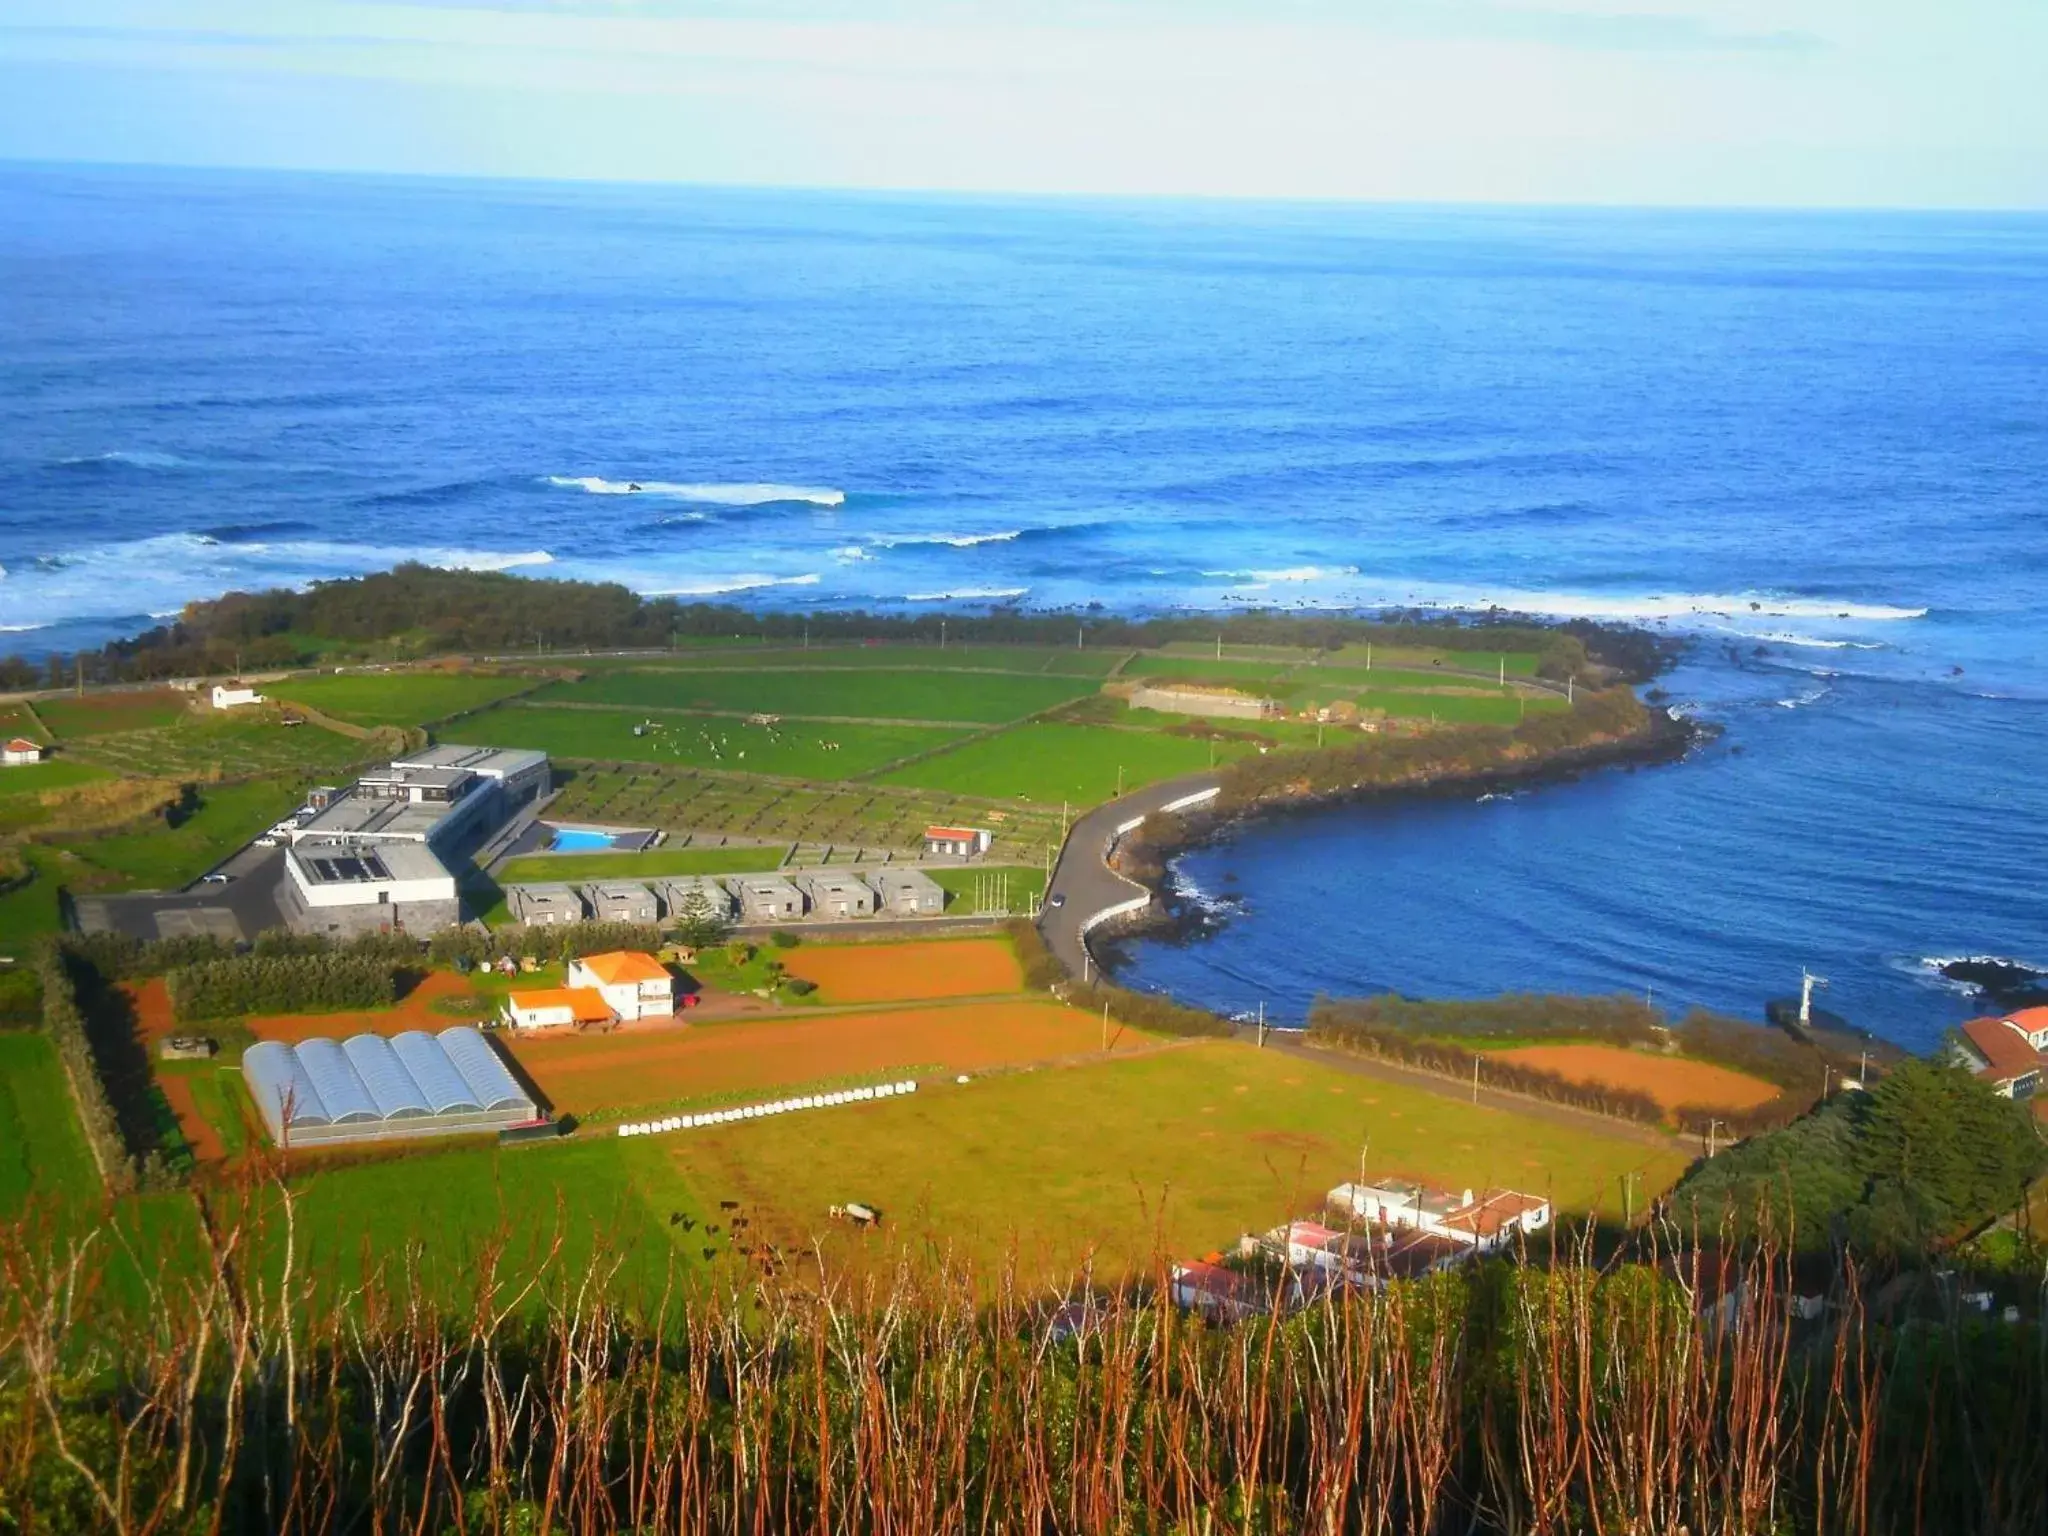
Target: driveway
240 909
1083 885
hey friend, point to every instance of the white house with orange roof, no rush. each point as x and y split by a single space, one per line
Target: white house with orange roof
21 751
635 985
2010 1053
555 1007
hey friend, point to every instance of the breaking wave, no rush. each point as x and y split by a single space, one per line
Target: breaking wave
713 586
130 458
952 540
748 494
1288 573
966 594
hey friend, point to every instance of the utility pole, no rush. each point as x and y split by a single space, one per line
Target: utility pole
1063 821
1368 655
1262 1024
78 672
1628 1204
807 634
1079 631
1503 671
942 634
1475 1078
1713 1146
1105 1026
1219 645
1571 685
1119 780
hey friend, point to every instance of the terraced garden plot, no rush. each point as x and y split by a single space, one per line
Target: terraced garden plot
102 714
657 863
792 749
207 746
984 698
399 698
27 780
1254 676
1047 763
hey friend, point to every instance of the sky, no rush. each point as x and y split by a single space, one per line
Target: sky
1823 103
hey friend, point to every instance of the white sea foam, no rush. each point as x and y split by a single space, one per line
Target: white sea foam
1811 642
851 554
965 594
135 458
1650 607
951 540
713 586
485 560
746 494
1288 573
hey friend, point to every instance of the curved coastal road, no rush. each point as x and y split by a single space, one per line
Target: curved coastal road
1083 885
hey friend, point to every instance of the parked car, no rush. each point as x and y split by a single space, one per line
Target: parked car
218 877
266 841
1056 900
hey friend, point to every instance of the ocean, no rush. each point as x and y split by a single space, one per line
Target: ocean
1815 443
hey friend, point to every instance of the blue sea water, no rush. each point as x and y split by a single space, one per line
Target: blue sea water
1816 442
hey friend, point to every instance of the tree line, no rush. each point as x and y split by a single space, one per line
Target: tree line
305 983
439 611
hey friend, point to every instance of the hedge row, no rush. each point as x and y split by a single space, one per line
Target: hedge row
64 1022
227 989
1350 1028
568 941
1520 1016
1140 1010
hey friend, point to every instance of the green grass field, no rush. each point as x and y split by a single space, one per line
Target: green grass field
43 1151
165 857
640 866
977 698
792 750
102 714
1047 763
1189 1146
220 1095
1459 708
1256 676
399 698
35 778
1009 888
20 720
1048 660
1519 663
30 909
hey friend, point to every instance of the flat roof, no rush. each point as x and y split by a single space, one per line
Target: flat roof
616 890
429 778
364 816
341 861
761 883
493 762
915 877
543 892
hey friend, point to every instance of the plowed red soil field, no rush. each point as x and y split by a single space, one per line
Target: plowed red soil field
1670 1080
583 1074
901 973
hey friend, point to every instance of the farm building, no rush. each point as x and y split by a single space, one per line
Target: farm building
19 751
234 696
542 905
1217 703
1219 1294
957 842
1304 1245
439 796
678 897
621 901
634 986
1480 1224
2009 1054
766 898
907 893
367 1088
837 895
553 1007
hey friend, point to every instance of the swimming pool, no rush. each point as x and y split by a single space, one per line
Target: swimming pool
580 840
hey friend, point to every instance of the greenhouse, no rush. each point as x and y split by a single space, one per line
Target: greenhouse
368 1088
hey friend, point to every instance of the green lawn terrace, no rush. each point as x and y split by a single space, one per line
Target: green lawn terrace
945 697
1038 660
243 744
1051 763
686 801
71 718
785 749
402 698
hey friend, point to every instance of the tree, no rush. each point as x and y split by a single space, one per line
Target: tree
699 924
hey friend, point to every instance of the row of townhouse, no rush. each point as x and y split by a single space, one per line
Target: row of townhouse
762 898
1375 1232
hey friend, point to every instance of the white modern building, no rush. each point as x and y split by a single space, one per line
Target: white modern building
234 696
831 895
347 886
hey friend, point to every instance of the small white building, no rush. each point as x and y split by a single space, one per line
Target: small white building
555 1007
766 898
235 696
1483 1223
20 751
633 985
681 895
957 842
544 906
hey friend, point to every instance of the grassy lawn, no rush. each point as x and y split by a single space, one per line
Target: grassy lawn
220 1095
102 714
1047 660
20 720
399 698
640 866
1351 679
796 751
1257 676
43 1151
990 889
1458 708
165 857
1519 663
1187 1147
1048 763
980 698
35 778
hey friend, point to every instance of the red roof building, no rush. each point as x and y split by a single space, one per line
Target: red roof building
2001 1052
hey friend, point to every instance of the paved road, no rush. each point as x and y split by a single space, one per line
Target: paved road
1083 885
